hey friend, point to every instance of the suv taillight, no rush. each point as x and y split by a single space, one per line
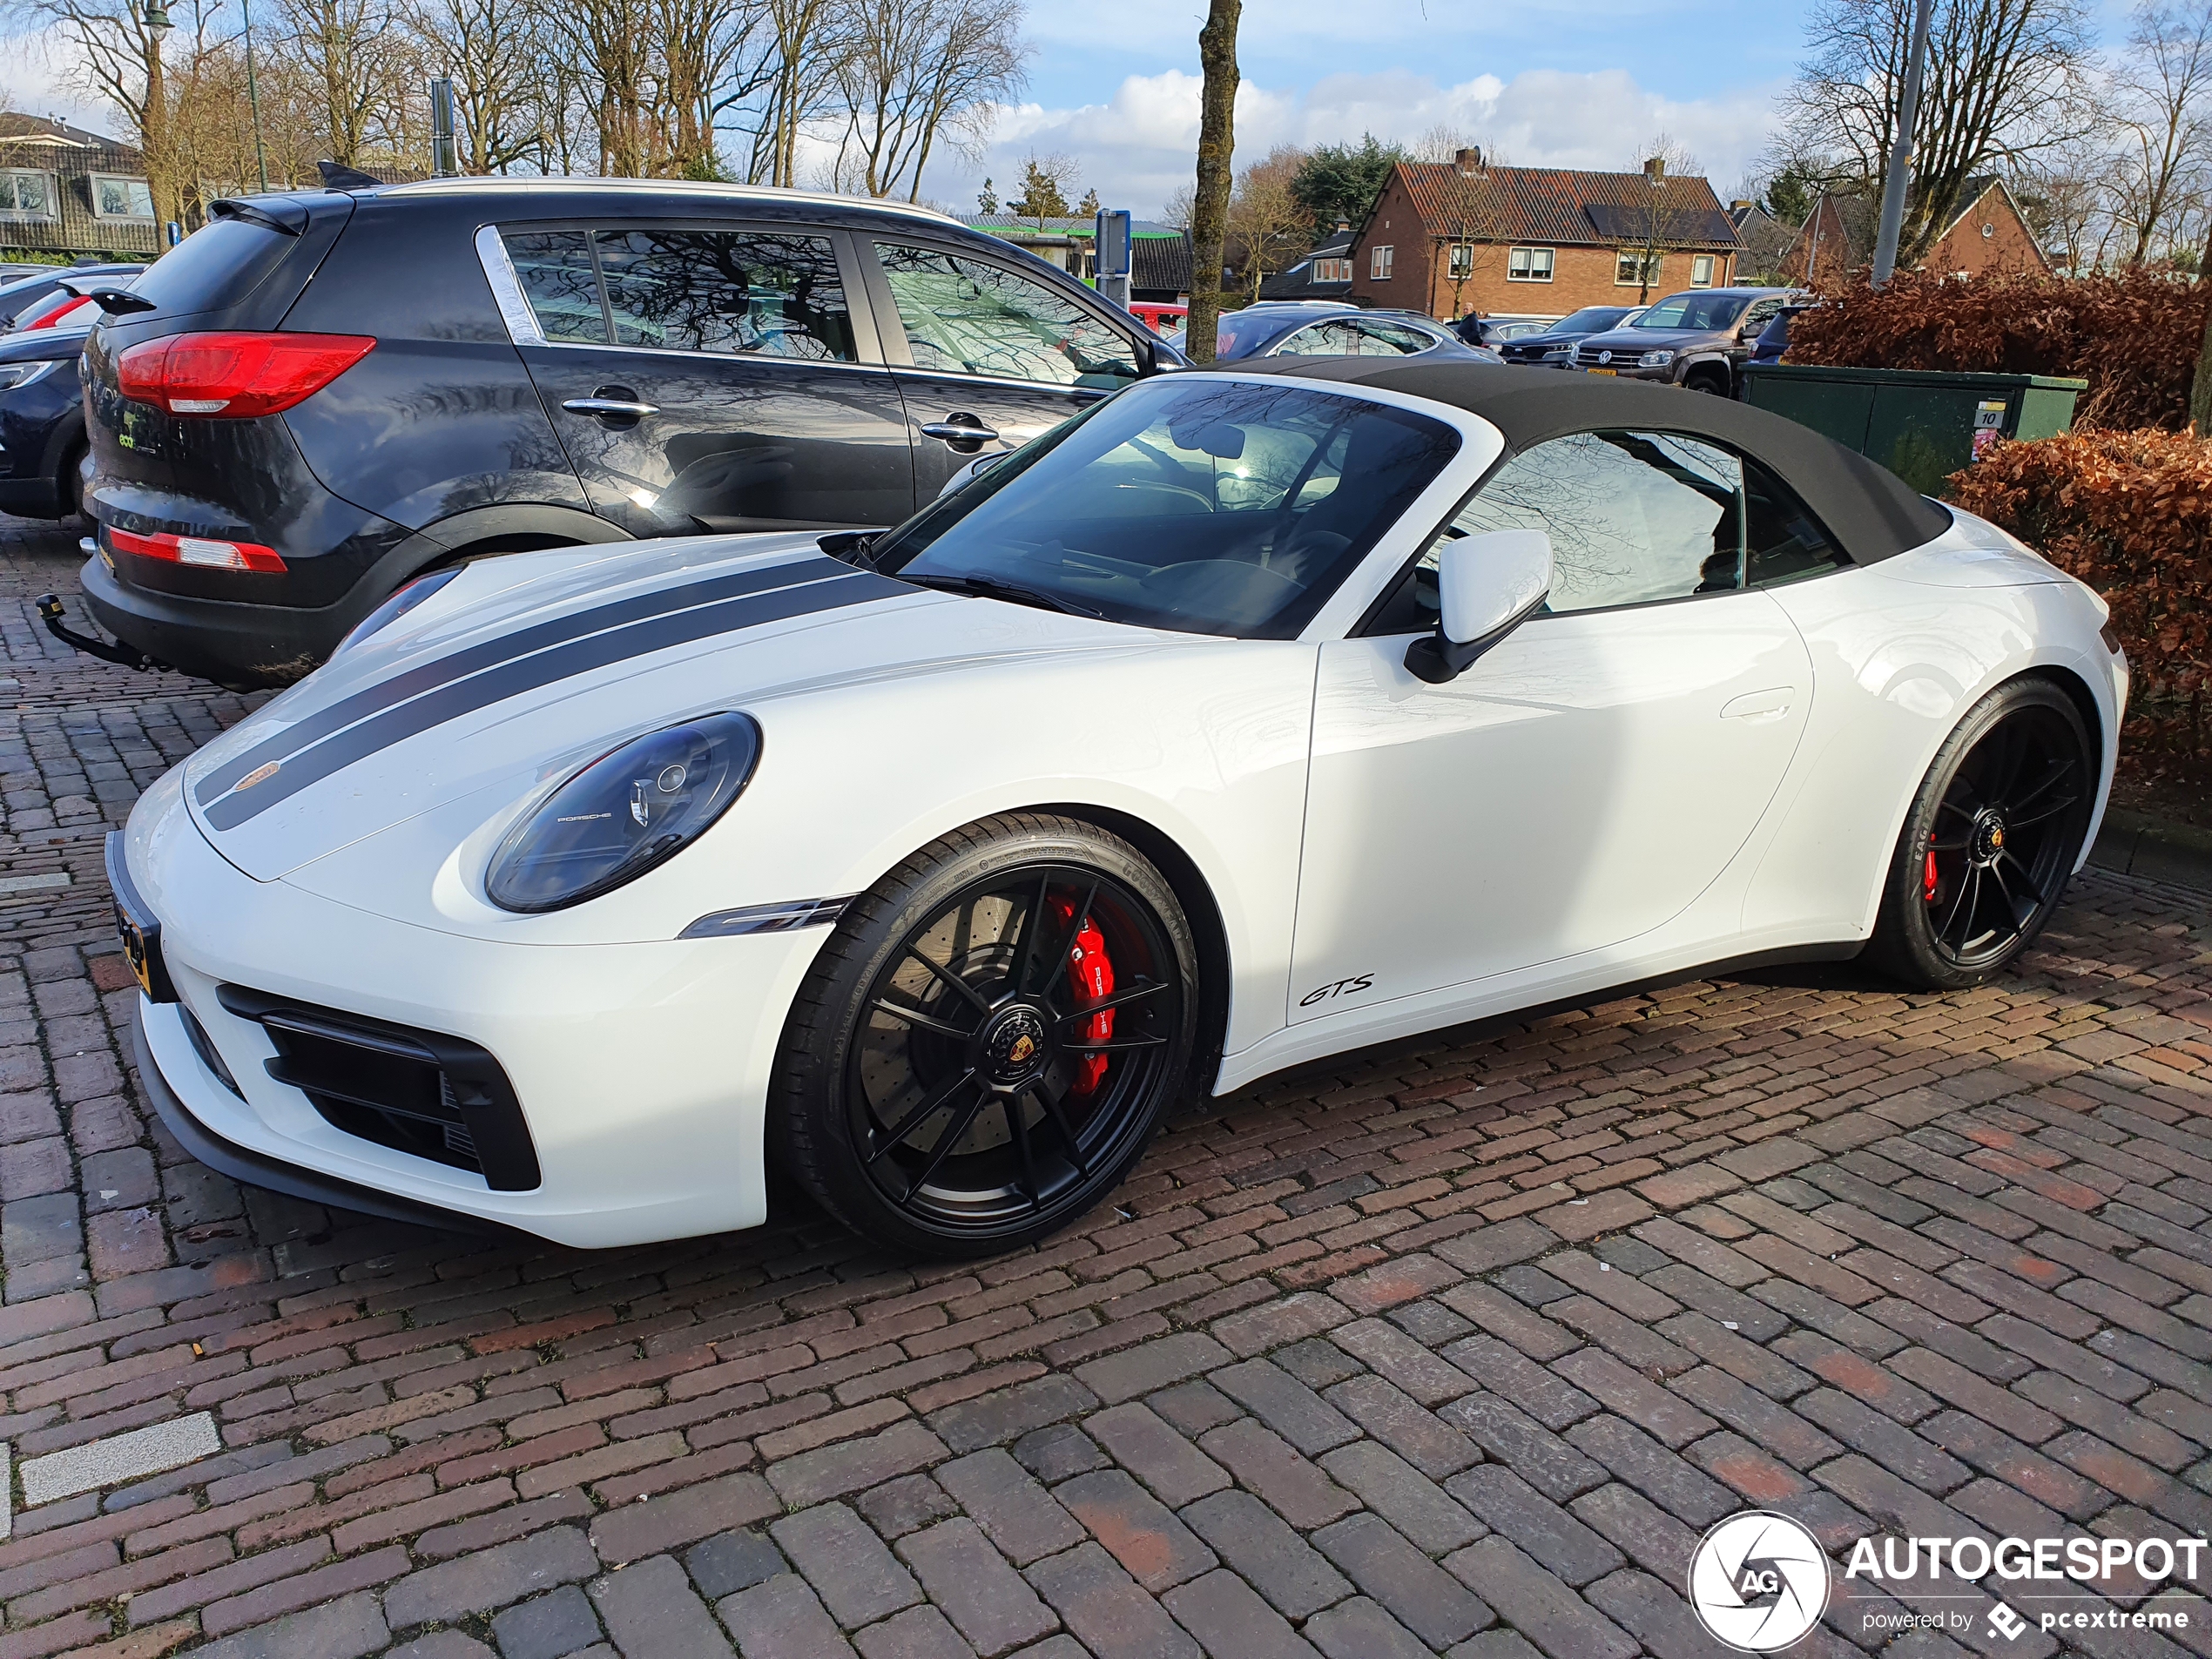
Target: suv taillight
236 375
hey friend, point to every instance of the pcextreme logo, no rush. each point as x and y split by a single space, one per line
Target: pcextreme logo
1759 1581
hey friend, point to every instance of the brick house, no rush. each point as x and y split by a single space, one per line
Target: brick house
65 191
1989 232
1537 241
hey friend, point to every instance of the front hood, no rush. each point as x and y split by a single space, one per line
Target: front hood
525 667
1634 340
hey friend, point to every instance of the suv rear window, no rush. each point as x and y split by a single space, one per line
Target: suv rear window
218 265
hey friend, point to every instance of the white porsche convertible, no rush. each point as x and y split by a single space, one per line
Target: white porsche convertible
1245 718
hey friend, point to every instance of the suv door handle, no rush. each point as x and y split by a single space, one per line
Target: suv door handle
612 407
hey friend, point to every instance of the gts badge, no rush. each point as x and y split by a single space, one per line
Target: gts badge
1342 987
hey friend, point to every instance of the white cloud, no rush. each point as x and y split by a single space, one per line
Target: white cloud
1139 147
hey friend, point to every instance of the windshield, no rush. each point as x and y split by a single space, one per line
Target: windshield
1207 507
1694 311
1590 319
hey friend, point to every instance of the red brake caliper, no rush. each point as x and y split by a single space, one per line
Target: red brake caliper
1928 879
1091 973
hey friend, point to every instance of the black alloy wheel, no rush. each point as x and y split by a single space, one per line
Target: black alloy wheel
990 1039
1996 831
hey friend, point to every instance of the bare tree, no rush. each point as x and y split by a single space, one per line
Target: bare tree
115 56
1267 226
1667 212
2007 79
361 63
922 70
1217 150
2157 106
487 46
1470 227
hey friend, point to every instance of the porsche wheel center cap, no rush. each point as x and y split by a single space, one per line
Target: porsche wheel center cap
1989 838
1013 1045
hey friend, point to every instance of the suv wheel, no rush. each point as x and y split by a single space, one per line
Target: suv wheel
1708 379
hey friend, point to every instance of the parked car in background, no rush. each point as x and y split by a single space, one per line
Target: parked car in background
1698 339
1326 328
21 295
1161 316
1495 331
1555 346
1774 339
290 433
41 421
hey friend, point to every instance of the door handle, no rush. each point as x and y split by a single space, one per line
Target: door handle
960 428
613 407
1760 705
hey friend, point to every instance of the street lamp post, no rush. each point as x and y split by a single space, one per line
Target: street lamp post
156 119
1901 168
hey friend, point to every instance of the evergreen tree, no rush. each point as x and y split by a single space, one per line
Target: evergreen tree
1088 206
987 202
1341 181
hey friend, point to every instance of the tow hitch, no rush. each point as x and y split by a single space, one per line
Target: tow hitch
50 611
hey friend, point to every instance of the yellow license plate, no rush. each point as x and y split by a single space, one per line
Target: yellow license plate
1603 371
135 950
136 926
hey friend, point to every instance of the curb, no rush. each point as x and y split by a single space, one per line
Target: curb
2155 849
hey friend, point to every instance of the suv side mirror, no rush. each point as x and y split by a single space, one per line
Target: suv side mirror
1487 586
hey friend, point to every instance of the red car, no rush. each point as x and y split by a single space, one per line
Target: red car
1161 316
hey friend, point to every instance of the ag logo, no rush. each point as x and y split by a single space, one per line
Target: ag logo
1759 1581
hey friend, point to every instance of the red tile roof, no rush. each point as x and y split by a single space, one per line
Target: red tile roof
1553 205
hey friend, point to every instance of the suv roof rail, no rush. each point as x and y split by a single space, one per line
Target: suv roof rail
686 187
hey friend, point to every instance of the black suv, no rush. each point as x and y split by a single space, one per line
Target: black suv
320 395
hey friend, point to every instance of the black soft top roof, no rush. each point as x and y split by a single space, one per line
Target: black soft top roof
1874 514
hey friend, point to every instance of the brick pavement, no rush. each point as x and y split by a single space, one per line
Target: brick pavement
1453 1346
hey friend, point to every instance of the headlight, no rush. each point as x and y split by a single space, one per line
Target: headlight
1654 359
626 812
14 375
397 606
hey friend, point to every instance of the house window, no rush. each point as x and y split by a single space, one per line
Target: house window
27 196
1379 263
1636 267
1332 270
1701 271
116 197
1528 264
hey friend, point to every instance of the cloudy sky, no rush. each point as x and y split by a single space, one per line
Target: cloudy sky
1114 83
1569 83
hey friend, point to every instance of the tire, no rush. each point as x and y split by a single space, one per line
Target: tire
962 1126
1705 380
68 485
1994 832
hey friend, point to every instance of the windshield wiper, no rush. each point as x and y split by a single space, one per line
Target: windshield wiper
987 587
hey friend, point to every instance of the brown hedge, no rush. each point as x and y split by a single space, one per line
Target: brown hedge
2129 512
2133 335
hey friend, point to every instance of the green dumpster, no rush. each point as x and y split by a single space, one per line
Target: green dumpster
1923 425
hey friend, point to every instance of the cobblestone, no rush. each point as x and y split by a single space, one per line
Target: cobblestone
1451 1346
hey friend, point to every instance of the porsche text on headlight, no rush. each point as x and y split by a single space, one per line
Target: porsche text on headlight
624 813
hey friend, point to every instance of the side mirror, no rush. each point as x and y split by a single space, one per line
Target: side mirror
1488 585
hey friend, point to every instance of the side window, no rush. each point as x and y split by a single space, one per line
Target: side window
556 271
1761 313
1634 518
965 315
750 293
1321 340
1783 542
1392 340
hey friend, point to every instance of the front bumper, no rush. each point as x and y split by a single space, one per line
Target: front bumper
643 1070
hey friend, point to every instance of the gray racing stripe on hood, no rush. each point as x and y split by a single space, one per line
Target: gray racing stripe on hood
490 653
515 677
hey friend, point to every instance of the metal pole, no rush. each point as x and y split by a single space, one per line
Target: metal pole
445 156
254 98
1908 110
